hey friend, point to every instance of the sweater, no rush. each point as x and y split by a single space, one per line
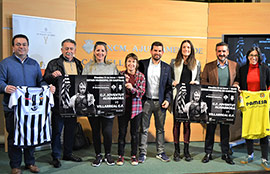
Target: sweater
14 72
92 68
253 78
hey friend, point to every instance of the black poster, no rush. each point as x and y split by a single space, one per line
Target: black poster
91 95
205 104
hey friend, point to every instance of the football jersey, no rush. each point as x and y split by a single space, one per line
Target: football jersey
255 109
32 119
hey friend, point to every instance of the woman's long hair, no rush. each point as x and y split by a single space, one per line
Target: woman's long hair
191 61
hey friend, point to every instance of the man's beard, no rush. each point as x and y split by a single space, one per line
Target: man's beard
222 60
156 58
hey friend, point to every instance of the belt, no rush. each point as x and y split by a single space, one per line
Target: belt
152 99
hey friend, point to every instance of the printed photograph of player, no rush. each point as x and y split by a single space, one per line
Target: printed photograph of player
83 102
196 109
75 97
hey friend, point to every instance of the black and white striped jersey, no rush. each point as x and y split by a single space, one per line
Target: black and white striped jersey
32 118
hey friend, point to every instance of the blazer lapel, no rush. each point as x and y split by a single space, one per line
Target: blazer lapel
146 68
215 72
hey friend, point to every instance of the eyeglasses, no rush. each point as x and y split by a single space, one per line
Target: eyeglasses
251 55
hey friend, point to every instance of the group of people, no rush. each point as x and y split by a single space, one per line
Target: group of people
150 89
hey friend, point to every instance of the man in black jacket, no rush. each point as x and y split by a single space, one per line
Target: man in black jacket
66 64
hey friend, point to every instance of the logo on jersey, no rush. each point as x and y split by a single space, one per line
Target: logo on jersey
262 95
34 108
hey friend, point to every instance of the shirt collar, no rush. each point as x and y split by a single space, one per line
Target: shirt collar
222 66
66 59
20 58
254 66
151 62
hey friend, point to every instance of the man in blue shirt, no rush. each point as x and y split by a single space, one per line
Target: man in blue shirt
18 70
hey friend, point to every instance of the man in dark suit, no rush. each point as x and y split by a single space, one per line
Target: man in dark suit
221 72
156 99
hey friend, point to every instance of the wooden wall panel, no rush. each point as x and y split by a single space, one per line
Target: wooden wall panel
119 46
159 17
239 18
60 9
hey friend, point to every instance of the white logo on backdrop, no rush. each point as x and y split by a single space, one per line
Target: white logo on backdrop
88 46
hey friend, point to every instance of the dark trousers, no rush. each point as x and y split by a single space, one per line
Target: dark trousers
122 125
69 125
176 131
104 124
224 138
264 146
15 153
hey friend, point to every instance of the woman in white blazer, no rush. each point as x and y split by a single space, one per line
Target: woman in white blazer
185 69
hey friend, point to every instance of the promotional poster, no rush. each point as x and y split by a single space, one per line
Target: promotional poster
92 95
205 104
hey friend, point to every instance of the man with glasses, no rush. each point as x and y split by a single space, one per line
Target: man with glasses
66 64
221 72
19 70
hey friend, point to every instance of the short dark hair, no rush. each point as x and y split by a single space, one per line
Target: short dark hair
259 54
69 41
135 57
222 44
20 36
156 43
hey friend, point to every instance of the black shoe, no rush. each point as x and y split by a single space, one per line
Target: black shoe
108 159
207 157
97 161
72 157
186 152
56 163
227 158
176 156
188 157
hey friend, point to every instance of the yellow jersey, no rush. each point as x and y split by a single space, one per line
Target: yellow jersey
255 109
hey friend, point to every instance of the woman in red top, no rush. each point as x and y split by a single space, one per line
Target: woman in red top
255 76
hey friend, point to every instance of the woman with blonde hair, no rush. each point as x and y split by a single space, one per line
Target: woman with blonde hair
105 123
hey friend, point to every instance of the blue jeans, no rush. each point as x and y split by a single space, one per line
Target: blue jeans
152 107
15 153
69 125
